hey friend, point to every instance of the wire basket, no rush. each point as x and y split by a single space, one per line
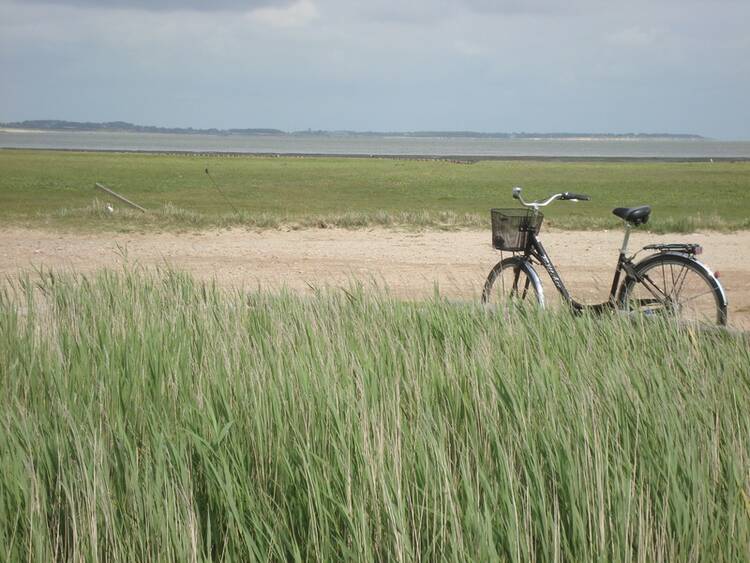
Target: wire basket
511 228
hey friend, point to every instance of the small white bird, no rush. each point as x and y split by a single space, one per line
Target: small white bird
109 208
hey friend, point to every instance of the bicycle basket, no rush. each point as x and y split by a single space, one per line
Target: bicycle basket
511 228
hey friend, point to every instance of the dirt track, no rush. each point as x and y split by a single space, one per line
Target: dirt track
410 264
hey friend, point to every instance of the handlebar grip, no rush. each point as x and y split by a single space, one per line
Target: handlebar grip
581 197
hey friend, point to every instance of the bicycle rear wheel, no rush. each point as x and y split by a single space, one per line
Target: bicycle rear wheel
675 286
513 280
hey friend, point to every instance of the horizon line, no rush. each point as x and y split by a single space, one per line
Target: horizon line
62 124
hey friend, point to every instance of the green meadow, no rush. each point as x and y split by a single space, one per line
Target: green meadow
346 425
56 190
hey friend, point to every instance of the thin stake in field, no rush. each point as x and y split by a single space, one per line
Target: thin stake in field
113 193
218 189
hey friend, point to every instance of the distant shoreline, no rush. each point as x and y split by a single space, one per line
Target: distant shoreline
32 126
633 138
457 159
13 130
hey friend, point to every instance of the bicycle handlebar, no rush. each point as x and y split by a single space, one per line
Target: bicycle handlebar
544 202
574 197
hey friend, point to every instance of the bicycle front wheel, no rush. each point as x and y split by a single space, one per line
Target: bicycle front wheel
513 280
673 285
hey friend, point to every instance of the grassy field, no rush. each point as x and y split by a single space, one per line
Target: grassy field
347 425
55 189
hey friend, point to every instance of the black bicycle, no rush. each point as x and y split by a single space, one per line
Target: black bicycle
668 282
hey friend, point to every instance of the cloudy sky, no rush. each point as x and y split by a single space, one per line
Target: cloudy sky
680 66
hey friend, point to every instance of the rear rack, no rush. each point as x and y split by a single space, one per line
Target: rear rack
683 248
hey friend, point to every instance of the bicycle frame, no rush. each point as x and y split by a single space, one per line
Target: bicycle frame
535 249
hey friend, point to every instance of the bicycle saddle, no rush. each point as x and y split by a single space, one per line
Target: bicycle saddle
634 215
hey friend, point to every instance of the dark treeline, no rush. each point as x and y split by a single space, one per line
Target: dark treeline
60 125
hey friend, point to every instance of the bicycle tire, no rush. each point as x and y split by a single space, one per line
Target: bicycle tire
676 286
513 280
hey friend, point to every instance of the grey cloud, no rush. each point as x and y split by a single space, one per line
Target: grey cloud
427 12
521 6
169 5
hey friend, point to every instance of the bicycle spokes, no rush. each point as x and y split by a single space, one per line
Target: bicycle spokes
511 282
676 287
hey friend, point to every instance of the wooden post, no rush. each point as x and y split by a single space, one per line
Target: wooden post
105 189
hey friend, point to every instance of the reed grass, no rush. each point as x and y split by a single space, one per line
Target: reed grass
171 217
146 416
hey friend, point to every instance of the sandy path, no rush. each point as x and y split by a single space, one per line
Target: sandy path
411 264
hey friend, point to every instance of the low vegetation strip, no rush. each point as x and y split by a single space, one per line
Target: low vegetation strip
348 425
56 190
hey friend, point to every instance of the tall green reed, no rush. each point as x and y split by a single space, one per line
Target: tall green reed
149 416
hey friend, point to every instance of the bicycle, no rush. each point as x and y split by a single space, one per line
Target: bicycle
669 282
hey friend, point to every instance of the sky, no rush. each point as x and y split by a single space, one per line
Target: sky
676 66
